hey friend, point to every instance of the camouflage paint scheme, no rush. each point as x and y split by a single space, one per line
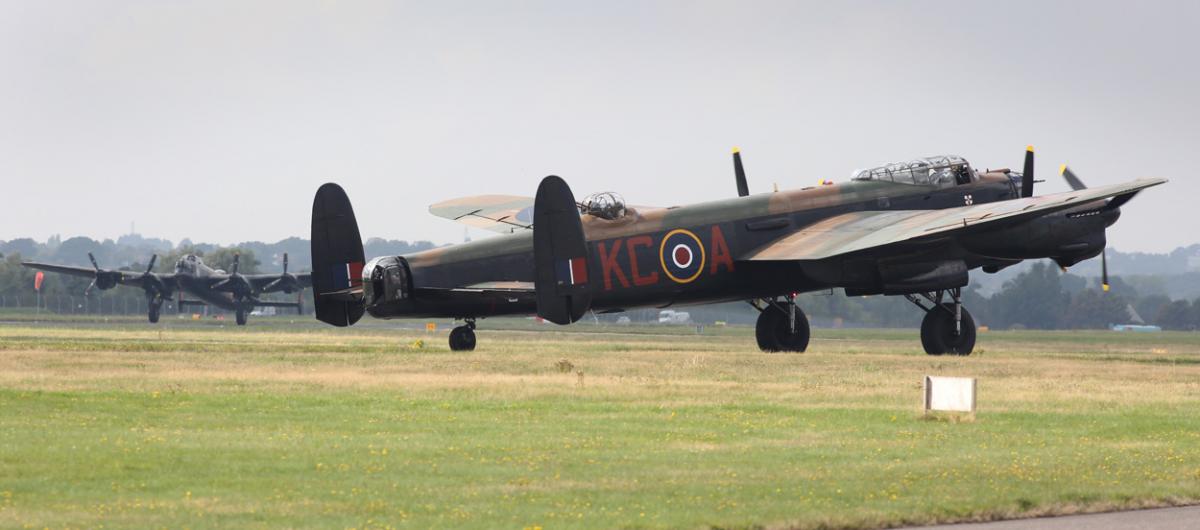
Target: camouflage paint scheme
762 245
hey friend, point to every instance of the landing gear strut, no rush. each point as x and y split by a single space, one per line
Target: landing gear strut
947 327
781 325
462 338
155 305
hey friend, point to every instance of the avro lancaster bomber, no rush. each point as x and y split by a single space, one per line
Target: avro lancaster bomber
914 229
227 290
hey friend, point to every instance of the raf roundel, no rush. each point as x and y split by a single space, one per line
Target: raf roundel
681 255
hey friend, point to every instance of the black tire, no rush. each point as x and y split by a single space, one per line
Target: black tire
938 335
774 334
462 338
240 317
154 312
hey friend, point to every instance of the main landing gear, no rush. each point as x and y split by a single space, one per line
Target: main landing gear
155 304
781 325
948 327
240 316
462 338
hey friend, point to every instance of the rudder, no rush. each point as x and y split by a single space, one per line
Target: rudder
559 254
337 258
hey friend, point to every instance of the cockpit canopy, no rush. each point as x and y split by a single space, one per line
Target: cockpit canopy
605 205
942 171
187 263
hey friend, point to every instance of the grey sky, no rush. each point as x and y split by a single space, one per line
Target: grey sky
218 120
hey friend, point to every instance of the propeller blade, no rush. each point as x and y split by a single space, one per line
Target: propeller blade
153 258
88 291
1077 184
1070 177
93 258
236 260
1027 174
739 173
1104 269
285 262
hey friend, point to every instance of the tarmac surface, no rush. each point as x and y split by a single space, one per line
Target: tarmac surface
1187 517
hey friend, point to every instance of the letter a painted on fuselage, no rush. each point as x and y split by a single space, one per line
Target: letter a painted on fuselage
720 251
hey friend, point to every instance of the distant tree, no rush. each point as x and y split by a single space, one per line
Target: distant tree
1176 315
1034 299
1120 287
1071 283
74 251
1149 306
15 280
222 258
1094 309
23 246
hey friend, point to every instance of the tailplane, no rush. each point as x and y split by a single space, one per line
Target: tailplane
337 258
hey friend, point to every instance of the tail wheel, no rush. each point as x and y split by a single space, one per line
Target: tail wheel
462 338
774 333
938 333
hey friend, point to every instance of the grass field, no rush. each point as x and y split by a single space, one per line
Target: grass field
124 425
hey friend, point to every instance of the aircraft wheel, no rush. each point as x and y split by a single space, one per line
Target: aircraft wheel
938 336
462 338
154 311
774 334
240 316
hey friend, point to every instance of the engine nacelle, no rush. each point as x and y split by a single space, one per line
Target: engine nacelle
1068 237
106 280
386 283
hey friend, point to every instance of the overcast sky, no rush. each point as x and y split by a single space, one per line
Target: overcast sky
218 120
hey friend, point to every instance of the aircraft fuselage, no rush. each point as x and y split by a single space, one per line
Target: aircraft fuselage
683 255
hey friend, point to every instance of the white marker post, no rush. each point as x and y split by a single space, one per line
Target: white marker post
949 394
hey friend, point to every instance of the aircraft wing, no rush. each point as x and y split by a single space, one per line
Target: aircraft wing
130 278
857 231
86 272
277 282
499 213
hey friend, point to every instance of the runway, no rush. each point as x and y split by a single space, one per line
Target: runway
1182 518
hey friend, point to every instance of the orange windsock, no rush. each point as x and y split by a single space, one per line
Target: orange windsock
38 279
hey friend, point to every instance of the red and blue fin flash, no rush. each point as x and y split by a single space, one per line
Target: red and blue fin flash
347 275
571 271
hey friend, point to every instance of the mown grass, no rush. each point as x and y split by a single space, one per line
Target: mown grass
199 426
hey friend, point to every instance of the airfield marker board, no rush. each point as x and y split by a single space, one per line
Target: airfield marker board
949 394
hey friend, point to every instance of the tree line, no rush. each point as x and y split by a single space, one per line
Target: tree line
1039 297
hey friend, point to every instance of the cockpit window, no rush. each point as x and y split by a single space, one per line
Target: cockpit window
606 205
187 263
942 171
